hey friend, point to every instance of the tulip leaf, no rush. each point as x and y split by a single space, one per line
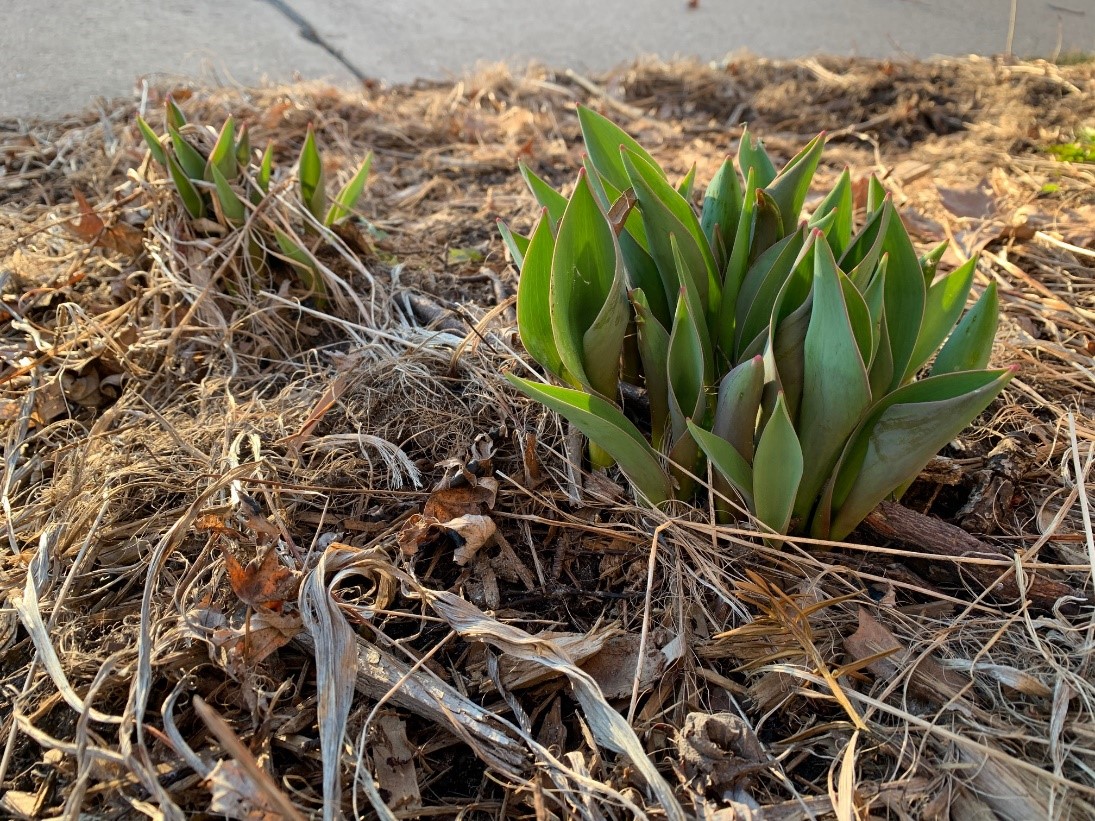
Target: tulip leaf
304 263
945 301
516 244
548 197
266 168
684 187
604 139
838 200
189 158
763 283
752 157
654 352
223 155
173 115
901 434
929 262
152 140
604 424
970 345
190 196
243 147
736 268
768 226
533 298
905 298
721 211
313 193
777 470
788 190
231 206
835 386
725 458
876 194
349 195
738 404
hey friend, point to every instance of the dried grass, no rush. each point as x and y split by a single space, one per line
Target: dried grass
161 431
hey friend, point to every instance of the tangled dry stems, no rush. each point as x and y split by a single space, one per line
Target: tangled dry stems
142 396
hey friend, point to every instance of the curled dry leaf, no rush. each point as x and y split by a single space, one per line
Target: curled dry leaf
265 632
719 751
235 795
263 582
457 512
120 237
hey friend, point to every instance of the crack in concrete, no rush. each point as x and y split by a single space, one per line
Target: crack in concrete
309 33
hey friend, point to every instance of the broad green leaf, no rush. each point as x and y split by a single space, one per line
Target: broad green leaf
642 272
762 285
153 141
304 264
191 198
726 460
752 157
266 167
905 298
189 158
860 316
313 193
970 346
929 262
684 187
876 194
607 194
688 373
735 271
349 195
785 355
696 311
882 367
603 139
788 190
835 388
860 259
223 155
587 297
722 211
839 199
666 213
173 115
902 434
654 352
533 299
243 147
516 243
548 197
738 404
604 424
231 206
768 225
777 470
945 301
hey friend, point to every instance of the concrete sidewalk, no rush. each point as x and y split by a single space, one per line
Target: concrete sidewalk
58 55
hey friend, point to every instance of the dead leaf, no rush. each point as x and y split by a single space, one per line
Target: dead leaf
456 511
331 394
475 531
393 763
719 751
236 796
262 582
615 665
578 647
265 632
120 237
970 203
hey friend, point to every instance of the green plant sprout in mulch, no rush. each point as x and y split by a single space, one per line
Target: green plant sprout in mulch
282 541
1082 149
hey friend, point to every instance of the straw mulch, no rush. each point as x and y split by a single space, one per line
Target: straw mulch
269 557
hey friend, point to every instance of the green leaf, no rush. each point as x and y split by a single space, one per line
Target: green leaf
223 155
243 147
752 157
835 389
191 198
588 299
901 434
736 269
516 243
189 158
762 285
153 141
788 190
929 262
548 197
684 187
777 470
533 299
231 206
860 316
266 168
603 140
970 346
722 211
738 404
945 301
726 460
905 298
304 264
349 195
173 115
839 199
860 259
876 194
666 213
605 425
654 352
313 193
768 225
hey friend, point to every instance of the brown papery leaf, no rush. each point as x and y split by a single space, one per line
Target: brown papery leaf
121 237
262 582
